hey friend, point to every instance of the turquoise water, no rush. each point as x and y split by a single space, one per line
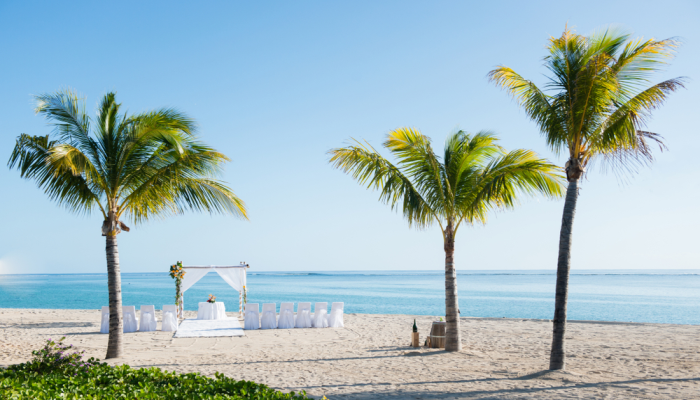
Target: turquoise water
664 296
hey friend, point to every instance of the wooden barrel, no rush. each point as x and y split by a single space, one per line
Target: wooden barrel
437 335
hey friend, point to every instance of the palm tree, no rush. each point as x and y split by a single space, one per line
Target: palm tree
596 109
474 176
142 167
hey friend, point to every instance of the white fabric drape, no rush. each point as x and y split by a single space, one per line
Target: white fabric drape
169 318
208 310
320 319
252 316
104 325
286 318
303 316
233 276
131 323
148 319
269 316
335 319
192 275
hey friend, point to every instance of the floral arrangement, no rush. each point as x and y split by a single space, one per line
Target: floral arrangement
177 273
212 299
245 295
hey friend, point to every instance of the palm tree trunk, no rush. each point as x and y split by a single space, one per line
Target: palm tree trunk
453 341
557 358
114 286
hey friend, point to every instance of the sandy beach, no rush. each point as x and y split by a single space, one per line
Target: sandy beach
371 359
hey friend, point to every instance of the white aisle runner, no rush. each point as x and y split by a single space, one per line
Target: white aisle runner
209 328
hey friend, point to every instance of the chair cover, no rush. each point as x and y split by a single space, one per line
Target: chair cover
252 316
335 319
269 316
303 316
286 318
131 323
169 318
149 322
320 315
104 325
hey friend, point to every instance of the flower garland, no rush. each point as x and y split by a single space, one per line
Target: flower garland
177 273
245 295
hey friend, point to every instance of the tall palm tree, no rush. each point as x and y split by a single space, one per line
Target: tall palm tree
141 167
596 108
474 176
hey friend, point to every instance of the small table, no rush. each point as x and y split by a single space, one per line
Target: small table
208 310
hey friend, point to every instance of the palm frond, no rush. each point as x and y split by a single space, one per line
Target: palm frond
600 101
66 112
420 164
480 173
146 166
173 195
541 108
505 179
369 168
165 169
32 157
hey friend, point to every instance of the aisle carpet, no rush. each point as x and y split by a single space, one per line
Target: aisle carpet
209 328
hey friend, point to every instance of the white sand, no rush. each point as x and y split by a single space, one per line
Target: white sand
370 358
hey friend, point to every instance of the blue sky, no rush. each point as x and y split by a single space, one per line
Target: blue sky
274 85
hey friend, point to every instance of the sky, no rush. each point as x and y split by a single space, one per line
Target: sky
275 85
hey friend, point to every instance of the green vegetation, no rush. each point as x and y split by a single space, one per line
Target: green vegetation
143 166
474 176
55 373
596 106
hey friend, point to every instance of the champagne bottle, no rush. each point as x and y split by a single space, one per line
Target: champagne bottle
415 327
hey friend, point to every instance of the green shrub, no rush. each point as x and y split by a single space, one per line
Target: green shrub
56 355
49 376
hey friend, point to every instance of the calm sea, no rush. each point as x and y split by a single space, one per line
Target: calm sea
664 296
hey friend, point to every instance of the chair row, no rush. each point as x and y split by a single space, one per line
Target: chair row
287 319
148 319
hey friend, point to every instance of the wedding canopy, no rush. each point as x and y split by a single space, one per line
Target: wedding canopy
234 275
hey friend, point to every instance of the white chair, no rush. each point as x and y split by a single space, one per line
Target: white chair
286 318
335 319
269 316
303 316
131 323
320 315
169 318
252 316
149 322
104 325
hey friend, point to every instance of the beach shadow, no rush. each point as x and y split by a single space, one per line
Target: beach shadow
83 333
52 325
421 349
404 390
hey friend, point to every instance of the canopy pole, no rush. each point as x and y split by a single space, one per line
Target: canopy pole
182 306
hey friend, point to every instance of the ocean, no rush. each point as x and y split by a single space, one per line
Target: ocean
660 296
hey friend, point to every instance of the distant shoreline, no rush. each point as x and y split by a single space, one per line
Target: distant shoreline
252 272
